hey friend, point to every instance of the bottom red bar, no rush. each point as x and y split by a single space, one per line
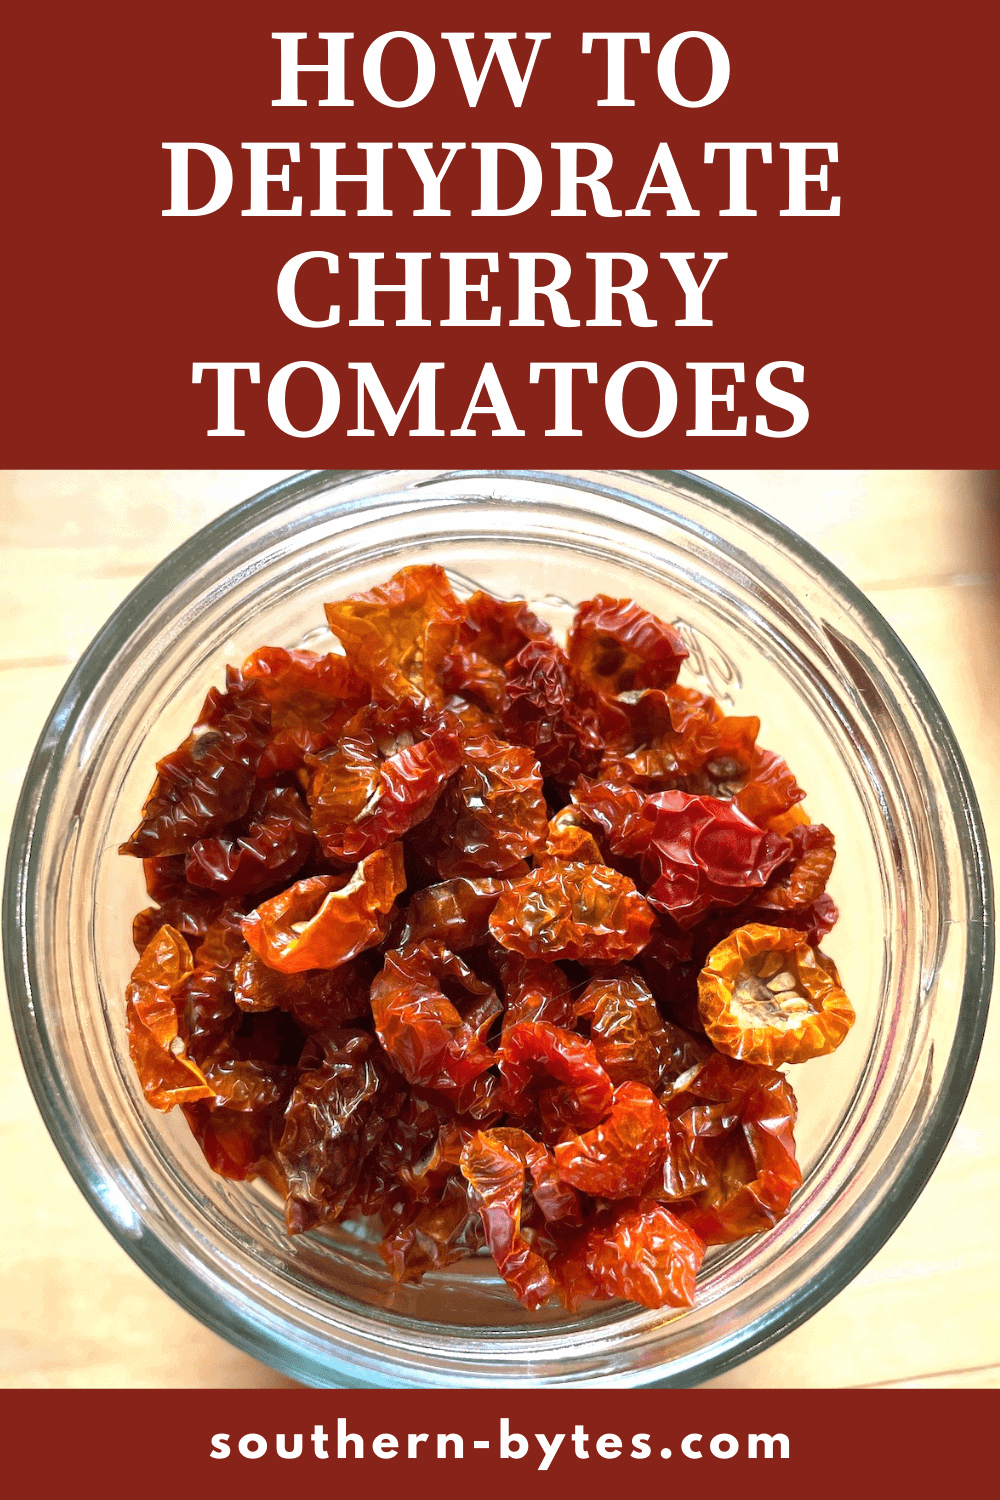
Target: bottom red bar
725 1443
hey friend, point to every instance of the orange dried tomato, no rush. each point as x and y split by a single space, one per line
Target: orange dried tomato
766 996
324 921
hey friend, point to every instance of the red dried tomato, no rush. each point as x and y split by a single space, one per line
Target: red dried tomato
383 779
541 710
549 1066
419 1025
270 847
617 1158
397 635
617 646
568 911
207 782
157 1048
496 1172
311 698
335 1116
736 1120
707 854
492 817
646 1255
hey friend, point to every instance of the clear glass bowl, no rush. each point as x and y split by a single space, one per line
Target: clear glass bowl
773 630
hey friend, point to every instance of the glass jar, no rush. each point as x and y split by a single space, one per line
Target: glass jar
773 630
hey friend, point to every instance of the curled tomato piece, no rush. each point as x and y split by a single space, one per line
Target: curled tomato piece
156 1046
492 817
185 908
534 991
498 629
813 851
422 1029
237 1144
336 1115
546 1065
618 646
541 710
734 1128
495 1169
574 912
765 996
207 782
324 921
272 847
433 1235
397 635
647 1255
707 855
311 698
454 912
316 998
632 1042
618 1157
616 808
383 779
568 840
208 1008
383 1187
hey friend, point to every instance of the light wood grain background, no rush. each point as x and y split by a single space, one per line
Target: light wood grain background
925 548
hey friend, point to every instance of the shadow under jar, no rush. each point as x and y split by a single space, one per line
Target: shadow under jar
773 630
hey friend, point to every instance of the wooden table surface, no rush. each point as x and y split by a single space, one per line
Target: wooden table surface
925 548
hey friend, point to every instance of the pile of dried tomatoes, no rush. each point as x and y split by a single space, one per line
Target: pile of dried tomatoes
489 940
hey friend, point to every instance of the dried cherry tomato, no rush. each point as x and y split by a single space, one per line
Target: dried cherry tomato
311 699
156 1046
569 841
541 711
419 1025
436 1235
706 854
736 1121
398 634
811 858
570 911
271 847
336 1115
316 998
534 990
647 1255
617 1158
324 921
382 779
617 646
766 996
548 1066
498 629
207 782
454 912
496 1172
492 816
632 1042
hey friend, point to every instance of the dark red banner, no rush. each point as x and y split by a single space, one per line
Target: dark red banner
778 253
491 1444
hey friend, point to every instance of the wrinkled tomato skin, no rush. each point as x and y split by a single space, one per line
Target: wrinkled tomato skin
208 781
590 913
